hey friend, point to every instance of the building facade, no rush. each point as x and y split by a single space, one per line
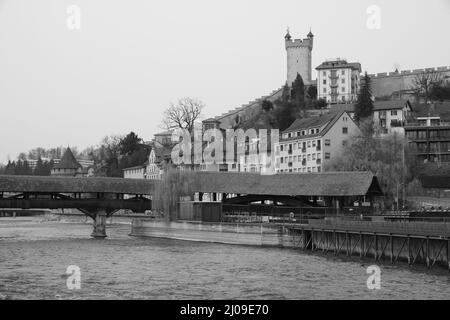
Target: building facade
338 81
308 144
388 116
137 172
429 139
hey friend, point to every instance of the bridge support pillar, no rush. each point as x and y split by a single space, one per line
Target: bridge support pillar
99 225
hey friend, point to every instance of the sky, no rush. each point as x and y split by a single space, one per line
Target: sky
128 60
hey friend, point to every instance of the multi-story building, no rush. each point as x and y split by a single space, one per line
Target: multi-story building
429 139
338 81
309 143
388 116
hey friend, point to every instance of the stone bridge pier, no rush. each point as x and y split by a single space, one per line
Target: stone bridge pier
99 218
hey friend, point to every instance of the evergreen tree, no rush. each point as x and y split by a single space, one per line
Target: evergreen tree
130 143
364 105
298 92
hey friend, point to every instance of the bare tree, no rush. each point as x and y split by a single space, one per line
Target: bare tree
423 82
183 114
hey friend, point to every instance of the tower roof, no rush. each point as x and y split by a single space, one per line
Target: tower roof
67 161
287 37
310 34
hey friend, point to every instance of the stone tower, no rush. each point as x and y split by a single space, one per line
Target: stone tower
299 57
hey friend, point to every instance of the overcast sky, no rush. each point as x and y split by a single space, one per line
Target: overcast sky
131 58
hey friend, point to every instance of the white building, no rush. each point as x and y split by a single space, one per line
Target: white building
137 172
338 81
388 116
309 143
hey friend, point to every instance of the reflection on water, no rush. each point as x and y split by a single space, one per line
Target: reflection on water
34 257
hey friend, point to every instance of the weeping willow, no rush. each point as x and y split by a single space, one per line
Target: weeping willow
175 185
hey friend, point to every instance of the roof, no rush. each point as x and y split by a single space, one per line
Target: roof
377 106
328 119
67 161
435 181
306 123
74 184
311 184
339 64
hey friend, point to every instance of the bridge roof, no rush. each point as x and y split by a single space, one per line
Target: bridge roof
72 184
313 184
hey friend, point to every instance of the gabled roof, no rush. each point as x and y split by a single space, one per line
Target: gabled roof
67 161
315 122
312 184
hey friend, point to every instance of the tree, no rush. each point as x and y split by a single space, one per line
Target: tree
364 104
183 114
382 156
168 192
298 92
267 106
129 144
440 92
424 82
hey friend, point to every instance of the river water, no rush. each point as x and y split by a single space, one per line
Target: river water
34 257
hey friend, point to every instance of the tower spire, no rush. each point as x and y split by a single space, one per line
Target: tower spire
287 37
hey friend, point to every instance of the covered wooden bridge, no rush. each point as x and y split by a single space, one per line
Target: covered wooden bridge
335 189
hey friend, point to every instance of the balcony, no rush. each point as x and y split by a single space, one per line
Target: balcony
290 164
304 150
319 161
318 148
424 124
333 76
304 162
290 151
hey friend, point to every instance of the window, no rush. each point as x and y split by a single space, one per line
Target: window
303 132
309 144
327 142
324 81
313 156
393 112
281 147
317 130
343 80
298 133
324 90
343 89
343 72
324 73
344 130
327 155
282 159
309 157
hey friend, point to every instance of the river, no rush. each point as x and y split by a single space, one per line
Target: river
34 256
